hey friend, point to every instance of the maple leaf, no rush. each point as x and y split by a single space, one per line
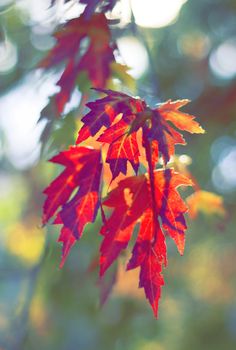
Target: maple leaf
149 255
132 202
84 45
122 148
104 111
156 125
74 211
150 200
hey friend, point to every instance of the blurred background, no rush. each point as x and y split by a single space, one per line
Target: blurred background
175 49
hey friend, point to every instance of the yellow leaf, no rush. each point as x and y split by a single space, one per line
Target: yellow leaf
205 202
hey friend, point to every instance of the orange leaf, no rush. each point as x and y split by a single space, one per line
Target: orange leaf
205 202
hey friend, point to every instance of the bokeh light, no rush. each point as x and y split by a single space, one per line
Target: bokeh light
156 13
224 174
134 55
223 153
20 123
223 59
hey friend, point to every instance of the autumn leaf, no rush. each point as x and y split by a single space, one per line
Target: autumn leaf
123 125
83 46
156 124
104 111
74 211
117 230
205 202
149 254
122 148
131 201
160 127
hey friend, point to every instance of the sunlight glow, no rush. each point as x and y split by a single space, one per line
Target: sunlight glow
156 13
223 60
42 12
19 113
134 55
37 11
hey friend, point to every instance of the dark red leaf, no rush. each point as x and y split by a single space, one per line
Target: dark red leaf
82 172
132 202
135 114
149 254
104 111
125 126
77 35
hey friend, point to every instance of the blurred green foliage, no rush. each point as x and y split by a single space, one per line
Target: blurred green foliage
43 307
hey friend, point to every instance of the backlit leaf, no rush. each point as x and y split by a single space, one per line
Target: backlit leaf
156 124
82 45
131 201
73 211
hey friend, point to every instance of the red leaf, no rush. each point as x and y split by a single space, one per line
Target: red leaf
132 202
155 123
151 201
71 41
83 170
150 256
118 229
104 111
122 148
